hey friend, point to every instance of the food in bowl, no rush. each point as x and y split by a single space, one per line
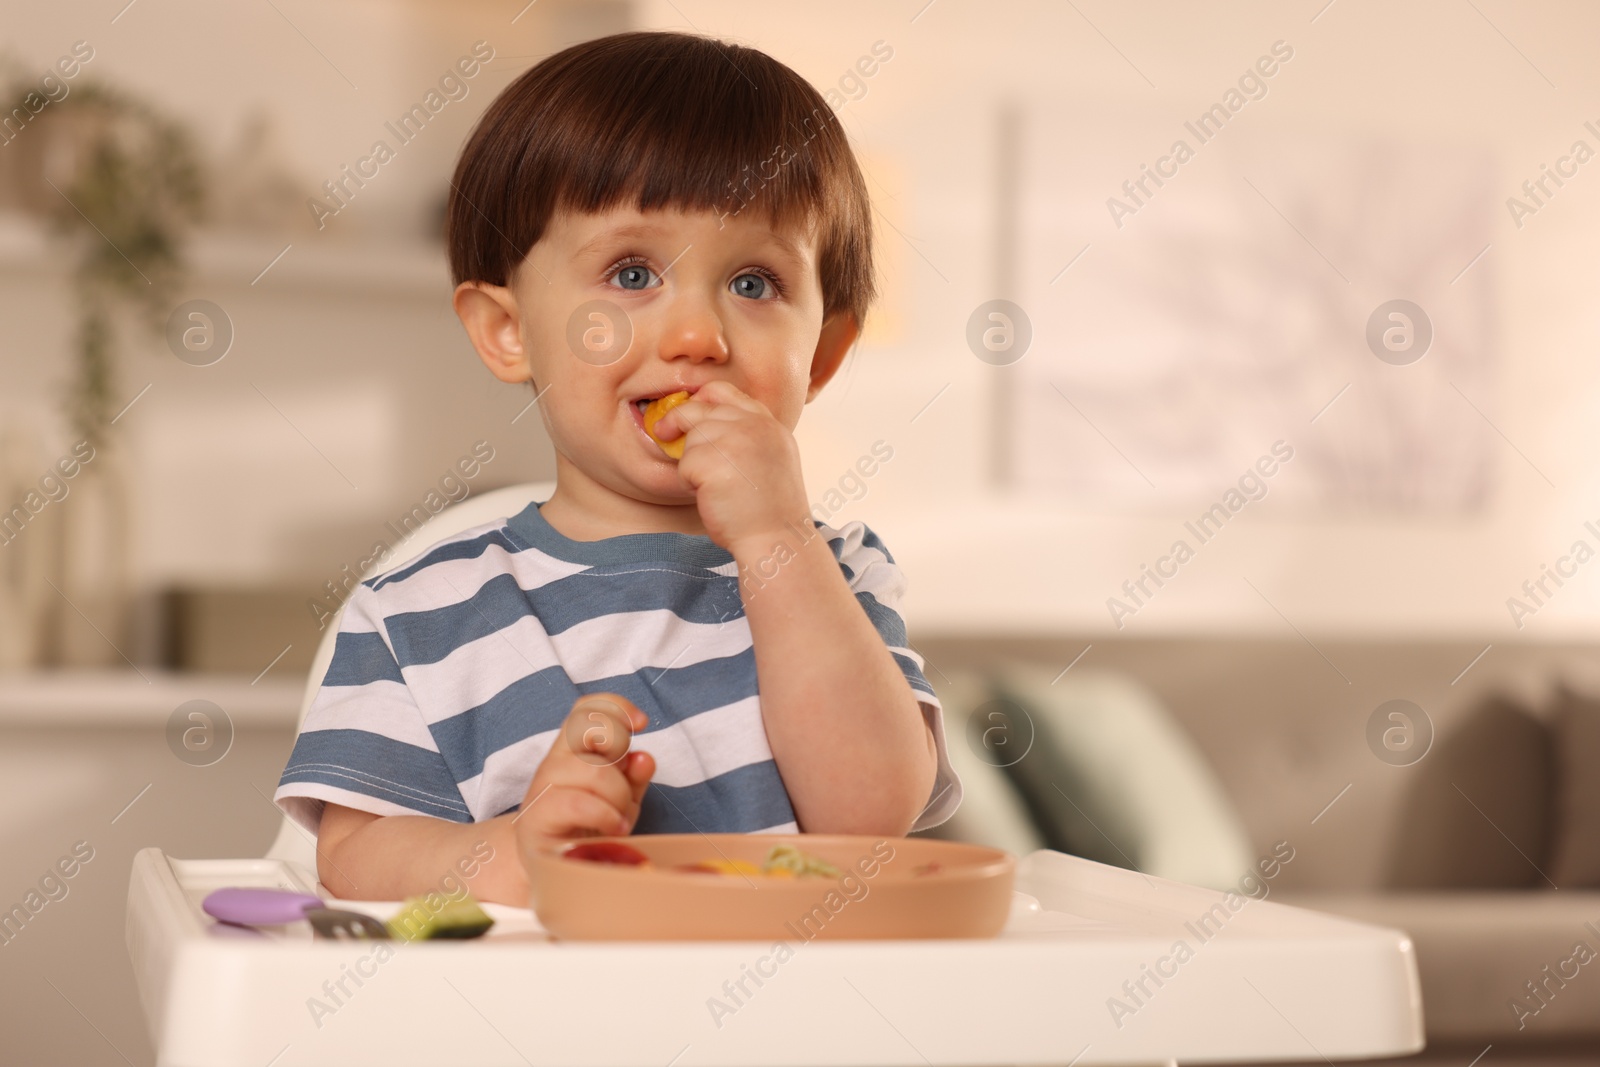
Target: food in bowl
607 852
885 888
783 861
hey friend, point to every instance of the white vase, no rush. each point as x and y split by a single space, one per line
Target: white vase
95 585
29 545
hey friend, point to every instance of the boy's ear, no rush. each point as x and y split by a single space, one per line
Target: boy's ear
489 312
839 333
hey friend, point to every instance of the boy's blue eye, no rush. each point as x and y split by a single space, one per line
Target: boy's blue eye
634 276
753 286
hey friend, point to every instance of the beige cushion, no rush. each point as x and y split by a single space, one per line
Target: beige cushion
1478 812
1575 855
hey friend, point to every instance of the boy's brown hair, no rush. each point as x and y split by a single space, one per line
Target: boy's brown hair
660 120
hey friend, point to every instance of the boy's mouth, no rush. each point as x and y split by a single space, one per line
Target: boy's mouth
639 403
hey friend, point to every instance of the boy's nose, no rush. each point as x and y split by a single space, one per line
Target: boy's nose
693 331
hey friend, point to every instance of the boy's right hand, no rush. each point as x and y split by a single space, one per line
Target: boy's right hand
589 784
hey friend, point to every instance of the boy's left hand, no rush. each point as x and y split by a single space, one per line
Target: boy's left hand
743 466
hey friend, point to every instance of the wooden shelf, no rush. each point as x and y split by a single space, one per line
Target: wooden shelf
143 698
398 269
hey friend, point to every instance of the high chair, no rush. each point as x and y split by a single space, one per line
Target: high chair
1276 984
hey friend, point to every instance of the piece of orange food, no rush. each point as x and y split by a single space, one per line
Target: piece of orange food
721 866
655 411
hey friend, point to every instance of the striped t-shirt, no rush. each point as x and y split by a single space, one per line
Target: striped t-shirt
452 675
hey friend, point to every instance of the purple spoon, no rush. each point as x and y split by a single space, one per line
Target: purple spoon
244 907
258 907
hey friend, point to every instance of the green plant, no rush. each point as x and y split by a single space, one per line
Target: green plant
127 187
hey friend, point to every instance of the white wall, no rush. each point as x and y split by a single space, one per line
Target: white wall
1415 74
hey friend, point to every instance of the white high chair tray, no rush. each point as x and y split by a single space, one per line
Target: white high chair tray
1265 982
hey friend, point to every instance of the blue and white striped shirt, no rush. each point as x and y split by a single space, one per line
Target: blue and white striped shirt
452 675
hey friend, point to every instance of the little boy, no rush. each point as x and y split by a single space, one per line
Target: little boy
594 664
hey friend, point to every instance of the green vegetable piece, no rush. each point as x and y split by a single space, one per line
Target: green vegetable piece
435 917
790 858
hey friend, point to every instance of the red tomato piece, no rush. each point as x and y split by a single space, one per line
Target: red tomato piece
607 852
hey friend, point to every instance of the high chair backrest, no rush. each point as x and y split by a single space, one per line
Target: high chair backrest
294 843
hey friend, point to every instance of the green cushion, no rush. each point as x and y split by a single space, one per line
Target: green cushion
1111 776
992 812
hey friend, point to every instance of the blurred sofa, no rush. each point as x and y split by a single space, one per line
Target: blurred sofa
1472 820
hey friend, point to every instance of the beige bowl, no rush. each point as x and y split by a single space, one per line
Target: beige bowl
891 888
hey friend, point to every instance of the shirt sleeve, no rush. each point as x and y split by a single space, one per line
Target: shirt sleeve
365 743
879 587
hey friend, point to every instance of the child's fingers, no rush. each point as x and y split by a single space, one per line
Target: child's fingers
592 756
600 728
609 782
637 770
617 704
565 811
726 394
675 423
686 416
714 400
